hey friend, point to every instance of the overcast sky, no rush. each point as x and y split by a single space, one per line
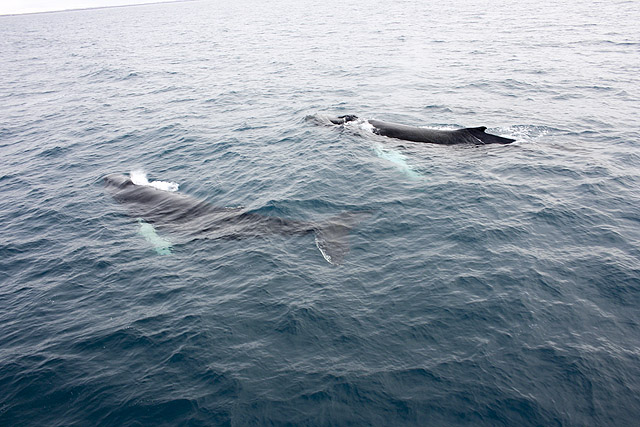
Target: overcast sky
29 6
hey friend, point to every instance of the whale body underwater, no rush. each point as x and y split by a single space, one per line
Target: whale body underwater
476 135
196 218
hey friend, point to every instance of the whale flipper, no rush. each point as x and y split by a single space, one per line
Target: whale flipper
162 246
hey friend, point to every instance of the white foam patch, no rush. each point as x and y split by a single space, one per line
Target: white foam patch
365 125
140 178
523 133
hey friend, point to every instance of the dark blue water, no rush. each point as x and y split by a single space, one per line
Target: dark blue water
491 285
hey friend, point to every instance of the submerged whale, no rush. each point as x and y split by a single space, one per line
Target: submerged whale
196 218
433 136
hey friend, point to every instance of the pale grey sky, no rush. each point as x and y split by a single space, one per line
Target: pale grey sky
8 7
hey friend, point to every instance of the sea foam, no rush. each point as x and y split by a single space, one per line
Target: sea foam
139 177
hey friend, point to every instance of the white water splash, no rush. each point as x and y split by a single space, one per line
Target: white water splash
523 133
365 125
139 177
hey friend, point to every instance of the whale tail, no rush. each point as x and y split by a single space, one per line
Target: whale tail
332 237
487 138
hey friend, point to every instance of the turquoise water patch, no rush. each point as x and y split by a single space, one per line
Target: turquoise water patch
398 159
161 245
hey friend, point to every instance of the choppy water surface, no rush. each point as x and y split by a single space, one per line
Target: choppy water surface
490 285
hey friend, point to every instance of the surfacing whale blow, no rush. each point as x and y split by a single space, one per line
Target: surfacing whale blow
198 219
433 136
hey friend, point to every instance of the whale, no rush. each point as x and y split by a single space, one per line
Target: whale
195 218
476 135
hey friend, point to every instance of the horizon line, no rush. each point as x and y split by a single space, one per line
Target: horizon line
95 7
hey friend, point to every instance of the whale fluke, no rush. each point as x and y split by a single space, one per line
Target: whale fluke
332 237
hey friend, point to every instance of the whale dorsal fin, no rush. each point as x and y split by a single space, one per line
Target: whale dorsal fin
487 138
481 128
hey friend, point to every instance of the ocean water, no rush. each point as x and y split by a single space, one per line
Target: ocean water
489 285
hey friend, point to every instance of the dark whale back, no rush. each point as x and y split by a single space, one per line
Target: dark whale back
433 136
155 206
437 136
